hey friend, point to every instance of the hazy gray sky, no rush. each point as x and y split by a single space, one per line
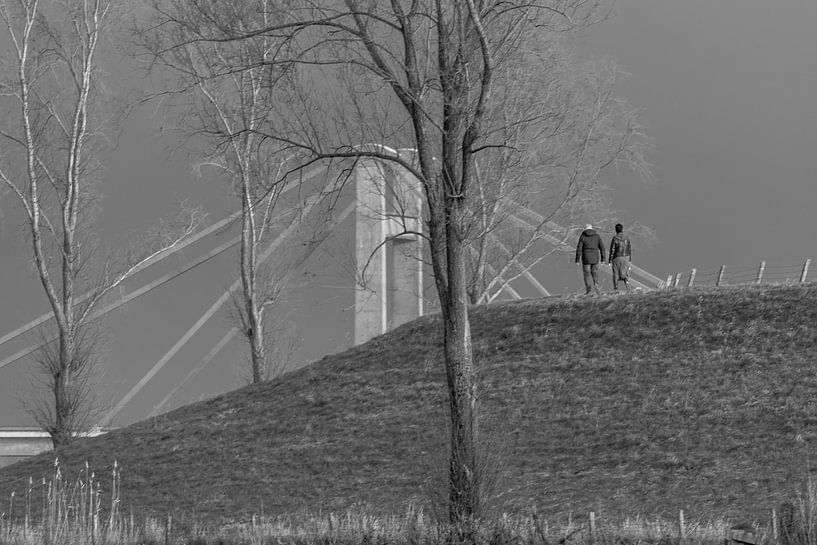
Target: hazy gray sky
727 89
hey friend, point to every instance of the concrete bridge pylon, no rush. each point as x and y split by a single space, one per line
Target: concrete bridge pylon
388 246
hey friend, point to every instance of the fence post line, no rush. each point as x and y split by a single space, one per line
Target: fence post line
760 272
720 275
804 274
681 529
774 526
691 278
592 527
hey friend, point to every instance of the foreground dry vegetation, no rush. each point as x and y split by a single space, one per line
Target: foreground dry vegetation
63 512
73 513
641 405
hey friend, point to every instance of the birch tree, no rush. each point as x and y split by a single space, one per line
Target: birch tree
225 94
51 136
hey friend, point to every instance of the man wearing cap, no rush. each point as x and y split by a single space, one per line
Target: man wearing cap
590 252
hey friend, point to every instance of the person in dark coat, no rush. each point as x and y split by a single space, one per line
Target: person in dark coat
590 253
621 254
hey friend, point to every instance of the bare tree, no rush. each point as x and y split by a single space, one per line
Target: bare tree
376 77
227 93
52 132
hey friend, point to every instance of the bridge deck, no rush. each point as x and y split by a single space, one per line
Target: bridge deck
18 443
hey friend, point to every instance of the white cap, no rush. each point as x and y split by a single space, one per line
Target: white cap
588 226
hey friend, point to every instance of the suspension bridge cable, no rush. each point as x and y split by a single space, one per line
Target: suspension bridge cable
226 338
310 203
195 370
156 259
159 257
133 295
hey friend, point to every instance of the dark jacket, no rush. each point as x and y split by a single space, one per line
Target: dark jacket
590 249
620 247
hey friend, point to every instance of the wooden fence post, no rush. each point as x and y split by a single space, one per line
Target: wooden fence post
691 278
592 527
789 523
681 529
760 272
669 281
720 275
676 280
774 526
804 274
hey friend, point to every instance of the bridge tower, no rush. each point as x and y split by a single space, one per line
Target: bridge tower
388 246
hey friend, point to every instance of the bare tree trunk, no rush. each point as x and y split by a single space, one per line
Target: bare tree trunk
460 129
249 276
259 358
61 432
464 498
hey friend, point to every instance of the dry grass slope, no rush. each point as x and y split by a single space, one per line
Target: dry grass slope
702 400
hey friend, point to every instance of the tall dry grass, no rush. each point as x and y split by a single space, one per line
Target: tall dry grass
415 527
797 520
56 511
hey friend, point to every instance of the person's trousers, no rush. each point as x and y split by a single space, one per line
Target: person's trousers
591 274
621 270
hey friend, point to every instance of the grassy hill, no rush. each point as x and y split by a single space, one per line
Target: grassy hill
703 400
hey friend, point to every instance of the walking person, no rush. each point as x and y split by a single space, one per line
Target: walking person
621 254
590 253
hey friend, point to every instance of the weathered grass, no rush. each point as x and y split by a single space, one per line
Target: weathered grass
354 527
701 400
62 512
58 512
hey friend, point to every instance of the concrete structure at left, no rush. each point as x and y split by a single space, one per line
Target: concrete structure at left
19 443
